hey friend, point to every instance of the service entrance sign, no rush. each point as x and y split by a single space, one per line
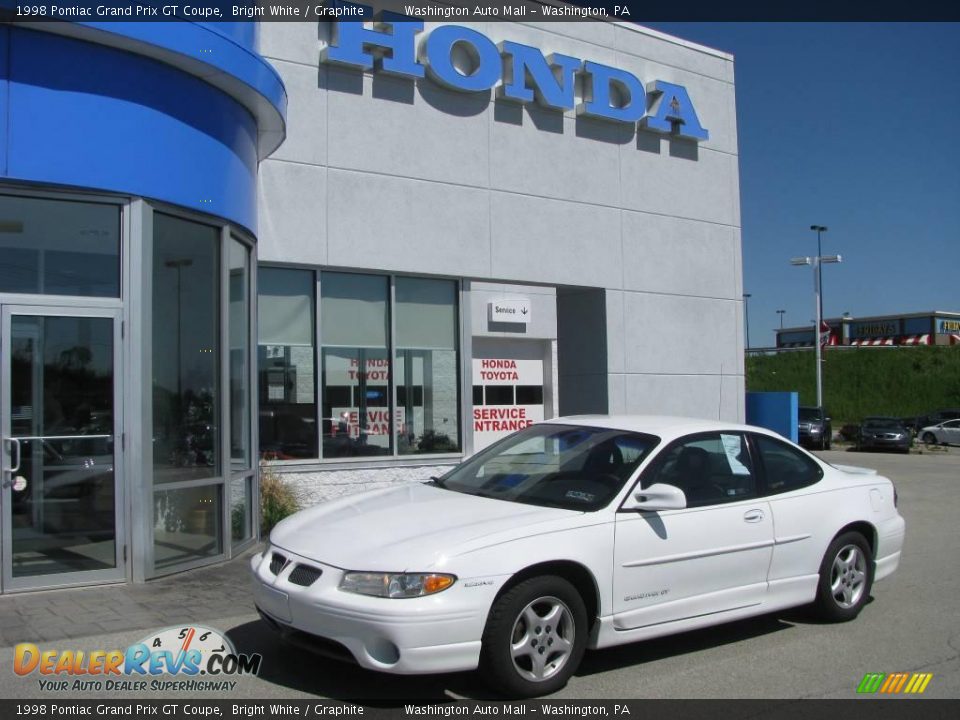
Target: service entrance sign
509 397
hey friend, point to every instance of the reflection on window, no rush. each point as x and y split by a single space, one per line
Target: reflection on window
427 366
286 367
239 326
62 505
785 467
710 469
186 292
356 365
241 508
186 525
58 247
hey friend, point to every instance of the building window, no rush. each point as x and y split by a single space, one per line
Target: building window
287 364
186 525
239 258
427 366
380 394
186 311
241 456
354 325
59 247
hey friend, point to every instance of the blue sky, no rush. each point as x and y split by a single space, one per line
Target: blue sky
855 126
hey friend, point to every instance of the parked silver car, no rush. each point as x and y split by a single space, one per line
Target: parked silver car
945 433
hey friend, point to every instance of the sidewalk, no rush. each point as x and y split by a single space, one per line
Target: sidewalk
189 597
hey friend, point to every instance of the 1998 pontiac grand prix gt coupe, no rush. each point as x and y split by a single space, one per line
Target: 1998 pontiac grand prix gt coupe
578 533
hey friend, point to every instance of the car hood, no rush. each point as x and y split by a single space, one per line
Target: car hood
410 528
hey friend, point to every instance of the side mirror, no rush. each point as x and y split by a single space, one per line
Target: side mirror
658 496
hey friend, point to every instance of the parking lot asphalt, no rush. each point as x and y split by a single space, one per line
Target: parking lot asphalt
912 624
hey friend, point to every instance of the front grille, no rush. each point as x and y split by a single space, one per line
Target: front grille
277 561
305 575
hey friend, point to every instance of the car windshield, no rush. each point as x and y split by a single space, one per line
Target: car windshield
882 424
562 466
809 414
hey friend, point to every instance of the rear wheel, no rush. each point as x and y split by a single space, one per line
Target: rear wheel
535 637
846 576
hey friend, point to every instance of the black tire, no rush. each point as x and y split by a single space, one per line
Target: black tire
929 438
514 675
846 576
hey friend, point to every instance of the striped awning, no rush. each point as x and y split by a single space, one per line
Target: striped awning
916 340
872 342
955 339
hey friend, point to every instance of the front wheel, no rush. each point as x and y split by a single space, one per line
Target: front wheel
535 637
929 438
846 576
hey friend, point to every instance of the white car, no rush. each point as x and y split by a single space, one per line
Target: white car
946 433
578 533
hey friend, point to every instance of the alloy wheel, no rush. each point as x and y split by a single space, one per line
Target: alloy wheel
848 576
542 639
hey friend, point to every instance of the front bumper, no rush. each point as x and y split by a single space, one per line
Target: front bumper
438 633
885 444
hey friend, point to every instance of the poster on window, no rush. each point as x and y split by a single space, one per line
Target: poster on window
507 396
357 396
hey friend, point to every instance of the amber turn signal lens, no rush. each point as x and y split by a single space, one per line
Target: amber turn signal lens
436 583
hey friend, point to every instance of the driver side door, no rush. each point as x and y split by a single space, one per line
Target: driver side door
710 557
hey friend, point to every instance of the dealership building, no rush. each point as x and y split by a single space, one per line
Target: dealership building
354 253
937 327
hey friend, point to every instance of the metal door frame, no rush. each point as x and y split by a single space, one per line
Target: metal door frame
86 577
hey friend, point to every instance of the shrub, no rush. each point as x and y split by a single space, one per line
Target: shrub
277 499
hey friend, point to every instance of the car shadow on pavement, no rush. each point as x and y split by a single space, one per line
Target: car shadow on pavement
301 670
640 653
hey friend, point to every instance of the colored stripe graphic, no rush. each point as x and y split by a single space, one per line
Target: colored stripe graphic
870 683
895 683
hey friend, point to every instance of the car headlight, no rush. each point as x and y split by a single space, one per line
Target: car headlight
396 585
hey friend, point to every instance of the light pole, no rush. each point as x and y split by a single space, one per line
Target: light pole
781 314
816 262
819 229
746 313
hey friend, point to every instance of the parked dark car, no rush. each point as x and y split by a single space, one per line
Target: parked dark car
814 429
884 433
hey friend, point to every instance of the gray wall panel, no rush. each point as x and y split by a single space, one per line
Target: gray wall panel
292 206
376 221
682 257
552 241
397 127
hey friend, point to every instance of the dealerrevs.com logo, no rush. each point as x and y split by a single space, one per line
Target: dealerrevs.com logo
201 658
895 683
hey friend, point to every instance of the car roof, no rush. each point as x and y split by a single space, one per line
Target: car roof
665 426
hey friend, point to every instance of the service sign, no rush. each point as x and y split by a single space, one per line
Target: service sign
397 45
510 311
508 386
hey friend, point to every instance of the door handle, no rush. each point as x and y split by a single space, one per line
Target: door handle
753 516
14 443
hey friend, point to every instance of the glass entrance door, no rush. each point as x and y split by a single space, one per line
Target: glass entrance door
60 492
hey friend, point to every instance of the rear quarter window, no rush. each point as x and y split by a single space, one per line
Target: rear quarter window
785 468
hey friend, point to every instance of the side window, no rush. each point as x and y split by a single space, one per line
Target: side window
711 469
785 467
